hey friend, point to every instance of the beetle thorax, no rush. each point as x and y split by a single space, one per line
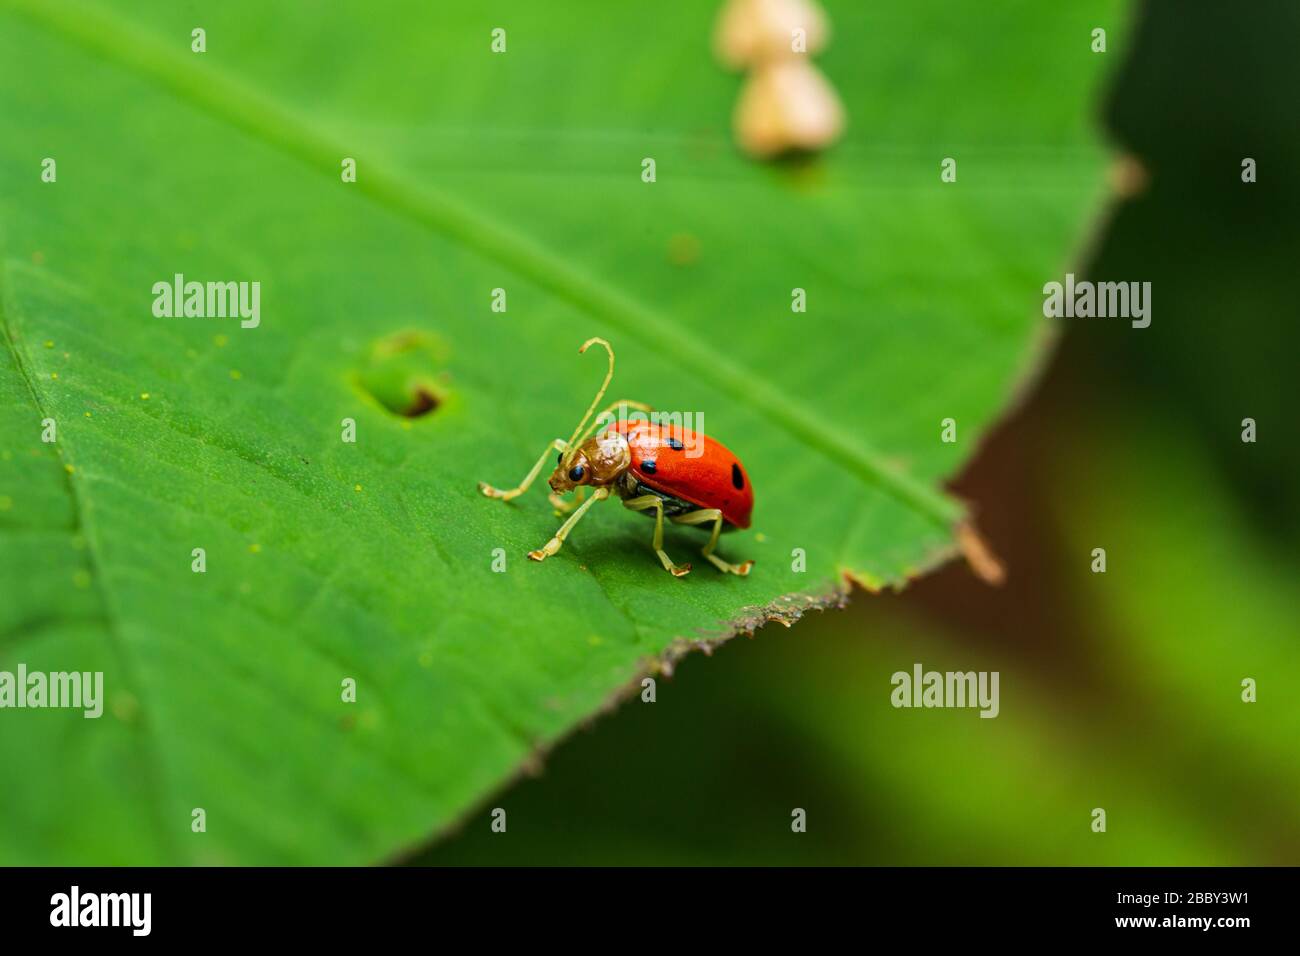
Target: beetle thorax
608 456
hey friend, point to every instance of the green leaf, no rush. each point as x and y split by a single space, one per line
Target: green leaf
372 560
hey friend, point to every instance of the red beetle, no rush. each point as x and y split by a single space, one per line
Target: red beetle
654 467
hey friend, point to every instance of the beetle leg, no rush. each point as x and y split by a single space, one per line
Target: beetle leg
563 507
554 545
645 503
556 445
704 516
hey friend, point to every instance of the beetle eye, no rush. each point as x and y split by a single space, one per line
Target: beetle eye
576 473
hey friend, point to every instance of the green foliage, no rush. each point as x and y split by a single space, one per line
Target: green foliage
328 560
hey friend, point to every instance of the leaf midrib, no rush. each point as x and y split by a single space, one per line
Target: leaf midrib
111 618
274 124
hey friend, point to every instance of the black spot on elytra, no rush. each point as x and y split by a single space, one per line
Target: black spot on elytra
675 445
648 467
737 478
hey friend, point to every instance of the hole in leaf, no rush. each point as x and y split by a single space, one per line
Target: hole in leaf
425 401
404 373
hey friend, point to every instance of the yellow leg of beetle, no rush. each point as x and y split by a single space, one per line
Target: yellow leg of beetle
704 516
483 486
554 545
563 507
645 503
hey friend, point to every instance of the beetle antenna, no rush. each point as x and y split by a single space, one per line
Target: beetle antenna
570 447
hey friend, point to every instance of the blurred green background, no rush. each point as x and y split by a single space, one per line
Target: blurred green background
1119 690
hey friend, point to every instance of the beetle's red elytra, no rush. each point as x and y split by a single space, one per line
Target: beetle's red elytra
647 465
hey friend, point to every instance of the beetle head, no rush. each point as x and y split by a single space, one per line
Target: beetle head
597 461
